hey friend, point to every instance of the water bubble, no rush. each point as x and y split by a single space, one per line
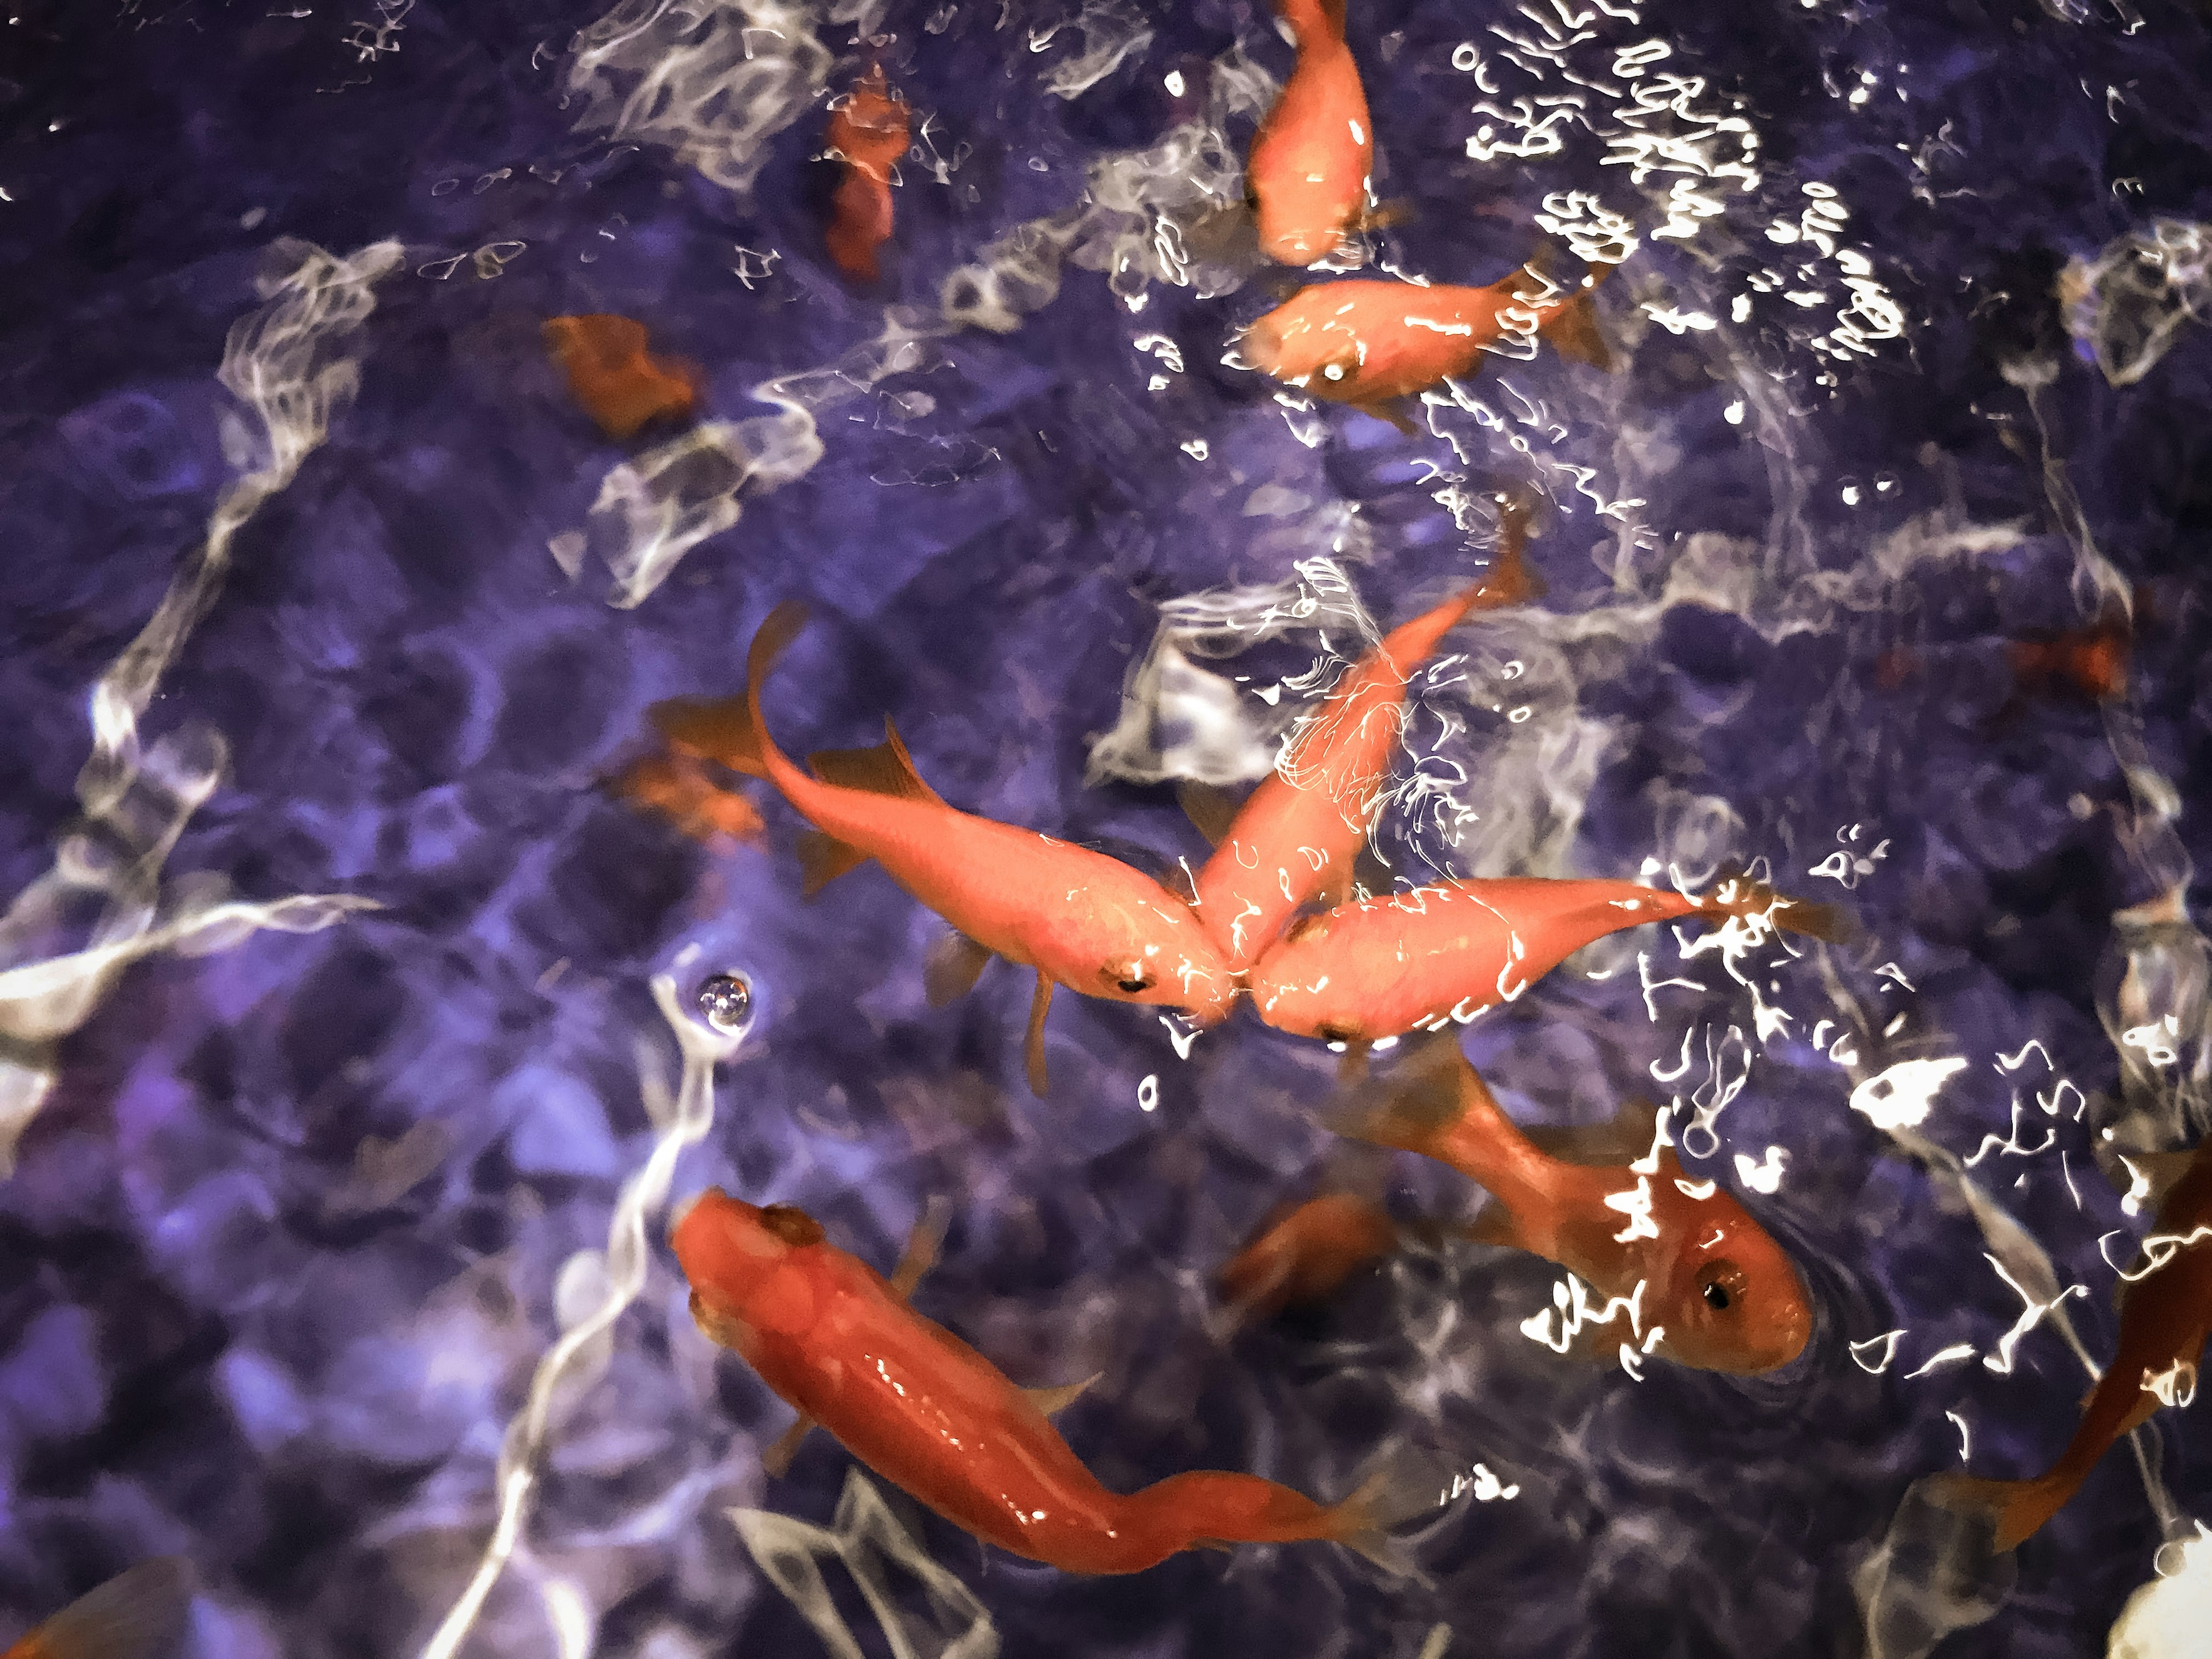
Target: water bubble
726 1002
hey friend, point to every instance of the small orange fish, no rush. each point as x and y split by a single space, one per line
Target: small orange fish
1717 1293
2166 1317
1304 1254
1308 170
1368 343
839 1343
2089 662
1298 835
1383 967
1079 918
868 132
677 787
137 1614
620 385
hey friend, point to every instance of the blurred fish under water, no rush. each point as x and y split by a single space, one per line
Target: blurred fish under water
1775 433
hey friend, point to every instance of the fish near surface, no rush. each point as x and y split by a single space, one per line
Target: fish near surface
838 1342
1309 166
1298 835
868 133
137 1614
1383 967
618 382
1717 1293
2166 1317
1302 1255
1369 343
1078 918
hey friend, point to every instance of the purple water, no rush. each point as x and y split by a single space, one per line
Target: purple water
305 1191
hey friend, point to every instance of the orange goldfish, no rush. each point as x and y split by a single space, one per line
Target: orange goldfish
1368 342
1297 836
839 1343
2088 662
677 787
1381 967
620 385
1304 1254
1717 1293
137 1614
868 132
1308 170
1079 918
2166 1316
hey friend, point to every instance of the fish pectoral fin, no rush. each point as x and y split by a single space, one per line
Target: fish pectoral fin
1394 412
1352 1068
138 1614
1053 1402
1210 808
776 1460
884 769
1226 1547
953 965
821 858
1397 211
1033 1045
717 1328
921 1247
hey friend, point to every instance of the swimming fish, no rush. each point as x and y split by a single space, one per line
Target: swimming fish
1304 1254
1308 170
1368 342
2166 1316
1297 836
868 132
137 1614
620 385
1718 1294
1383 966
1079 918
839 1343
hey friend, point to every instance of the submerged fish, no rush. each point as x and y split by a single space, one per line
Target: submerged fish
839 1343
1302 1255
1297 836
1385 966
137 1614
868 132
1079 918
677 786
1310 161
1368 342
1717 1293
2089 662
617 381
2166 1317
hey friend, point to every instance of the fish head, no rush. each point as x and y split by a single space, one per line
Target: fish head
1294 990
1300 221
752 1267
1730 1298
1145 945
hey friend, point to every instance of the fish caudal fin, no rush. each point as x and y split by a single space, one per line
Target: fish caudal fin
1573 330
885 768
1733 894
821 858
1404 1485
138 1614
2019 1508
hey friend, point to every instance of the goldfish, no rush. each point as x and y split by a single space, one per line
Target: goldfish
1297 836
1302 1255
842 1345
137 1614
678 788
1369 343
868 132
1381 967
1078 918
1711 1287
2166 1316
2088 662
620 385
1308 170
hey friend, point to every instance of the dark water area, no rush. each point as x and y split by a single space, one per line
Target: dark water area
339 1091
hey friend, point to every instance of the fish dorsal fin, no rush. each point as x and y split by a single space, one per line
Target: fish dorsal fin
1053 1402
884 770
138 1614
954 963
1210 808
1627 1136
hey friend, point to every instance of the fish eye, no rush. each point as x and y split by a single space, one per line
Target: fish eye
1721 1283
1131 979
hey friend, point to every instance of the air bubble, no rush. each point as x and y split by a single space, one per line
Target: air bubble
726 1002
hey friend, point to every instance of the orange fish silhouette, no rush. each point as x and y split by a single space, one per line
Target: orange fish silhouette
2089 662
1368 342
1302 1255
868 132
840 1344
677 787
137 1614
1309 163
618 383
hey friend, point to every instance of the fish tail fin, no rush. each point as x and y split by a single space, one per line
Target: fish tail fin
2019 1508
1404 1485
1573 330
134 1615
1733 894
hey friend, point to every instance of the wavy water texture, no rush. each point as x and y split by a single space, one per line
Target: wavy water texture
2126 305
